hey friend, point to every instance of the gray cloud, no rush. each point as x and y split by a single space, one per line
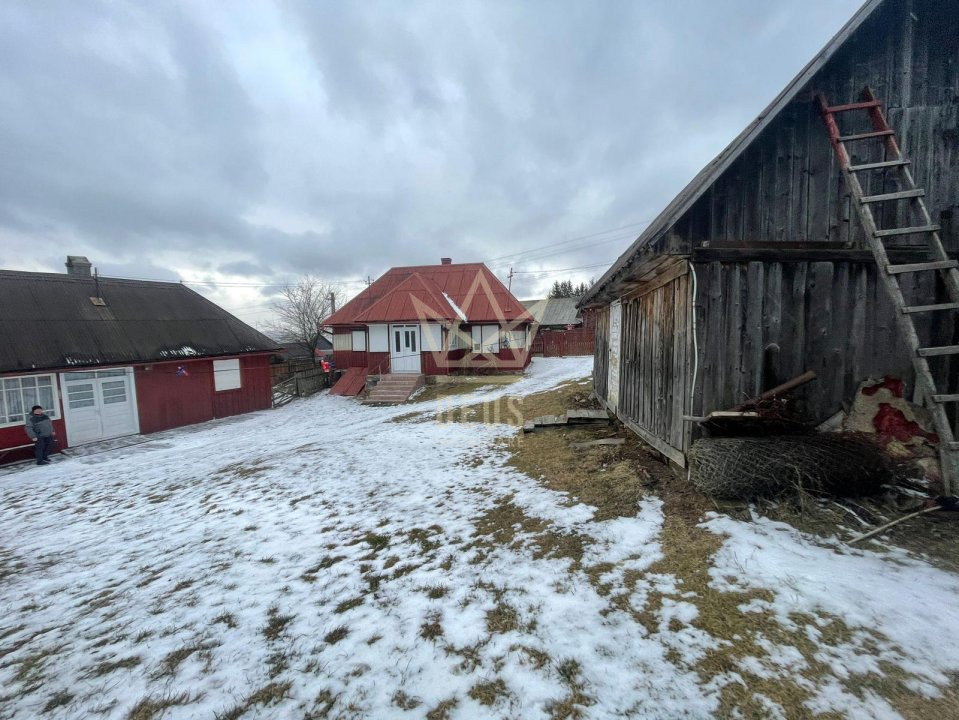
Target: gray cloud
172 140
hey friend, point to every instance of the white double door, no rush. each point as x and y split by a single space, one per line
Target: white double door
99 405
405 349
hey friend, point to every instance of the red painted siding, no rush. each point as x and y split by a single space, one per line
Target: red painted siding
377 362
349 358
256 392
167 401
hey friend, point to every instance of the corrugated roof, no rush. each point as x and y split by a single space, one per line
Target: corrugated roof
705 178
554 311
415 298
48 321
471 286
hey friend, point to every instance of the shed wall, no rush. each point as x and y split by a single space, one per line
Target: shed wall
830 317
655 365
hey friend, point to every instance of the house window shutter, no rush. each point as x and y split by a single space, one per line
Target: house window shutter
226 374
359 340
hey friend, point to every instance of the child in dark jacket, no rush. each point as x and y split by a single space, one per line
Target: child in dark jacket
39 427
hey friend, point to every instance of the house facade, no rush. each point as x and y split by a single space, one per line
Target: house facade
760 270
108 357
441 319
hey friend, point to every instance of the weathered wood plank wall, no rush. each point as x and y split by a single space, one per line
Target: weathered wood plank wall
830 317
656 353
601 351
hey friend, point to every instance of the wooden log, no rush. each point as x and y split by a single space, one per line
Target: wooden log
787 386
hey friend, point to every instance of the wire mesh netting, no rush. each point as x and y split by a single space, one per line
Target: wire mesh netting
847 464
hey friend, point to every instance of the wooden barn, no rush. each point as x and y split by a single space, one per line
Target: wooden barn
108 357
822 238
445 319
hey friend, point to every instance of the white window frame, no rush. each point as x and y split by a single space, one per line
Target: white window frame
227 375
431 337
342 341
52 412
486 339
513 339
459 339
358 338
379 338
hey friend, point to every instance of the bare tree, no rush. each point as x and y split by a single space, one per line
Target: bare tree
301 311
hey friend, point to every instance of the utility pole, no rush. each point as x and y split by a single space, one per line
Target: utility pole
332 302
510 278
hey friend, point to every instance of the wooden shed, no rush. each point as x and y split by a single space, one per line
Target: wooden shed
760 269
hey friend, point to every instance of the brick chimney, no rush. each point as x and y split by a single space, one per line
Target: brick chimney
78 266
446 261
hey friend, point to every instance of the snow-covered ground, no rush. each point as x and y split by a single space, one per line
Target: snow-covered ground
329 559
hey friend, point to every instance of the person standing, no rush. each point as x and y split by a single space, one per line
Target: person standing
39 427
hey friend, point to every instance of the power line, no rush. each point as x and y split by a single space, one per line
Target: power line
570 240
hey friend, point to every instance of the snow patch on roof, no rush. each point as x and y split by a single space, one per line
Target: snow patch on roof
456 308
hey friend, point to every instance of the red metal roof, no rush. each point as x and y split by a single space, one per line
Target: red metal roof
415 298
404 294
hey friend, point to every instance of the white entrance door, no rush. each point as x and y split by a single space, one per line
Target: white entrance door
615 341
405 349
99 405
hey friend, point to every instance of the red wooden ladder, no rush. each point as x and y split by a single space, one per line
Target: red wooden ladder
938 260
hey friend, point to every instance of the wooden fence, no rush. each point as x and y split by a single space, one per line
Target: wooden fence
299 383
560 343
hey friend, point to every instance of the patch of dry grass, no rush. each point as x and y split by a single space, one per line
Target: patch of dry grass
275 623
154 706
444 710
336 634
487 693
269 694
105 668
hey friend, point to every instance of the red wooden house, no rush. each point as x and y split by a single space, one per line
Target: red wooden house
432 320
108 357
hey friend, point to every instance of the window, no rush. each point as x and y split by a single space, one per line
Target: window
459 339
379 338
359 340
485 338
515 339
19 394
432 335
342 341
226 374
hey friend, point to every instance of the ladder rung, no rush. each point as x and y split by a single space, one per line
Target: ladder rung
931 308
853 106
901 195
878 165
919 267
941 350
945 398
907 230
865 136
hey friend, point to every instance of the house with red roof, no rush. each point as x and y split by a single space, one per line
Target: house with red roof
444 319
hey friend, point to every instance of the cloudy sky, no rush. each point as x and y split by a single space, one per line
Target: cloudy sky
236 145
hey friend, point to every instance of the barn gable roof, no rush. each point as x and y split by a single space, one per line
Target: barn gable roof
709 174
48 320
433 292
